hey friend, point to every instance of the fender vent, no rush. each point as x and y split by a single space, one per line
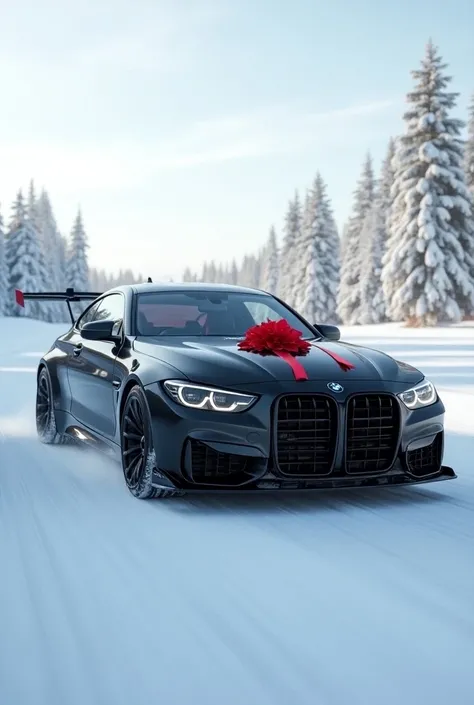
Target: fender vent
426 460
208 466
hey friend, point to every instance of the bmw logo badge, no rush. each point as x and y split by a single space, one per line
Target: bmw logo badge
335 387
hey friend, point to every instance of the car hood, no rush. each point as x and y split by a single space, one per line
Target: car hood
219 362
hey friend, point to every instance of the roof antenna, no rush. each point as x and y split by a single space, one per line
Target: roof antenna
149 280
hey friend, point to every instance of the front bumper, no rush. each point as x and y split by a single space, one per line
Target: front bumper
213 451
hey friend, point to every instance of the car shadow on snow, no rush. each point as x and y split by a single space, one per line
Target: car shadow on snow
101 476
302 502
459 451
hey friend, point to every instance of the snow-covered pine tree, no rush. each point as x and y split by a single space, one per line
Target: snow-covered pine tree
203 277
187 275
77 268
372 242
220 276
212 272
270 264
24 261
49 310
319 255
63 248
469 159
234 273
428 273
77 271
387 178
288 258
258 270
348 306
53 246
245 274
3 273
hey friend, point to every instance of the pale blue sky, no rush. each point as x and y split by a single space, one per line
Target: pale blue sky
183 127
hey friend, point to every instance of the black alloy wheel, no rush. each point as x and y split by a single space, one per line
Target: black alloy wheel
43 404
138 455
45 418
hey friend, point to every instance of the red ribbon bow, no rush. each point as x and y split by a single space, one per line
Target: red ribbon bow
280 339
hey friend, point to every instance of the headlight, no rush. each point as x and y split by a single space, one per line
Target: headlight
196 397
423 394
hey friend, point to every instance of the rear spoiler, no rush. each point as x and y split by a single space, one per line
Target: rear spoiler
68 296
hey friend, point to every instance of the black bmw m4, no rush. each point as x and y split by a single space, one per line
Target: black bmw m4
154 374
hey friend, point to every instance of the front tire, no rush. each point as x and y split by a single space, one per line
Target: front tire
45 418
138 454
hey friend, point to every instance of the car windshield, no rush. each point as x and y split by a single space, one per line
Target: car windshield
207 313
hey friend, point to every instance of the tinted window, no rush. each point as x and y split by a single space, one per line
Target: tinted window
87 316
109 308
209 313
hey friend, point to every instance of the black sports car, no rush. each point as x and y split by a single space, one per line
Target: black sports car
159 375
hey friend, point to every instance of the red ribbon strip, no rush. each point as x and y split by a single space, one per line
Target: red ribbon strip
343 364
298 369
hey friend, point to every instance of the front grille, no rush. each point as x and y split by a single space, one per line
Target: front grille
373 422
426 460
208 465
306 435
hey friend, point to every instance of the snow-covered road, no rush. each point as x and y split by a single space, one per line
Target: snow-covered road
350 598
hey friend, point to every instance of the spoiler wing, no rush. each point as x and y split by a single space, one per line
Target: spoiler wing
68 296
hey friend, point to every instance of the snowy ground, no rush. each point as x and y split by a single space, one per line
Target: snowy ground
352 598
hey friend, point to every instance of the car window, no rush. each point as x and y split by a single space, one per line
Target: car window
201 313
260 312
87 316
110 308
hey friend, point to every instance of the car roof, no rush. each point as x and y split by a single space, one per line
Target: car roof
152 288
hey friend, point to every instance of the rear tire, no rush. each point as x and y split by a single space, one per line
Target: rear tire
138 453
45 418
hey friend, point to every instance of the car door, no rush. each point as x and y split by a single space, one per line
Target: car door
91 368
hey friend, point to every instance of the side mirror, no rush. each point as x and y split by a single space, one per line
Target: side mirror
99 330
329 332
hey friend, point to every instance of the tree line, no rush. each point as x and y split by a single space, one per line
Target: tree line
407 250
405 254
36 256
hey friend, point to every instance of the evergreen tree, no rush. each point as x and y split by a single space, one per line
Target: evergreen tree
234 273
77 270
372 242
428 273
23 257
187 275
212 272
319 255
3 273
63 248
270 264
54 247
220 276
48 310
348 307
289 259
245 274
469 163
77 267
387 177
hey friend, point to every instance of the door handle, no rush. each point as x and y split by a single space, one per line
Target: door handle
77 350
